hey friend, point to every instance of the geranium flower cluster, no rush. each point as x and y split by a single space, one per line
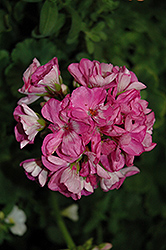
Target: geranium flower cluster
91 135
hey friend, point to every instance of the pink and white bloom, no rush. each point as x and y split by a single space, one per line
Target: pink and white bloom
93 73
35 171
126 80
133 127
65 177
28 88
93 134
117 178
88 105
66 137
29 124
41 81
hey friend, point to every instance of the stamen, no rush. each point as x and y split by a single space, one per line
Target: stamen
92 112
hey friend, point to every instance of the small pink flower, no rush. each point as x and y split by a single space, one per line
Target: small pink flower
40 80
132 130
29 124
67 137
35 171
117 178
114 161
65 178
93 73
88 105
126 80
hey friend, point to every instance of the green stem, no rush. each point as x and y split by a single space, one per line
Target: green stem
59 220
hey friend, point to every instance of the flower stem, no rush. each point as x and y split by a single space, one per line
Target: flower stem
59 220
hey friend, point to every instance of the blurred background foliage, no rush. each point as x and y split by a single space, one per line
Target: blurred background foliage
123 32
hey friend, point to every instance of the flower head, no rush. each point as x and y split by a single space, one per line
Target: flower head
29 124
18 218
35 171
41 80
93 73
92 135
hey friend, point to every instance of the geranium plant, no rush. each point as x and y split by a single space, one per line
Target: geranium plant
90 135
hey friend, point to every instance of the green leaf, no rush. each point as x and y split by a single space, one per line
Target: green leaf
89 45
42 49
93 36
147 75
157 101
57 86
19 10
99 26
14 78
4 59
76 25
32 1
48 17
2 21
103 36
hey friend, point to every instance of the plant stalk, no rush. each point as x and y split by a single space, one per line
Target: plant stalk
59 220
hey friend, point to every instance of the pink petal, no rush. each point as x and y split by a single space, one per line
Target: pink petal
51 142
72 144
136 85
102 173
51 110
85 98
28 99
76 73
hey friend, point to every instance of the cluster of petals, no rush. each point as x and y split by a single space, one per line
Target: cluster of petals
28 125
93 134
41 81
95 74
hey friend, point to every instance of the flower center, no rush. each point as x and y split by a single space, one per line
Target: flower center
92 112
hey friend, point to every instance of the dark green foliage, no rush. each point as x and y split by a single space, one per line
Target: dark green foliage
130 33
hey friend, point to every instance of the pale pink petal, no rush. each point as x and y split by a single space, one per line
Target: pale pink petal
50 111
43 177
102 172
76 73
51 142
72 144
86 98
28 99
136 85
129 171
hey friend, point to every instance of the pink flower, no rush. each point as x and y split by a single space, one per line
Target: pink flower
66 138
35 171
93 73
90 166
29 124
65 178
114 161
126 80
117 178
132 138
93 134
133 127
41 80
88 105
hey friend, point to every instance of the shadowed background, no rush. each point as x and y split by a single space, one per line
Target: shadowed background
120 32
